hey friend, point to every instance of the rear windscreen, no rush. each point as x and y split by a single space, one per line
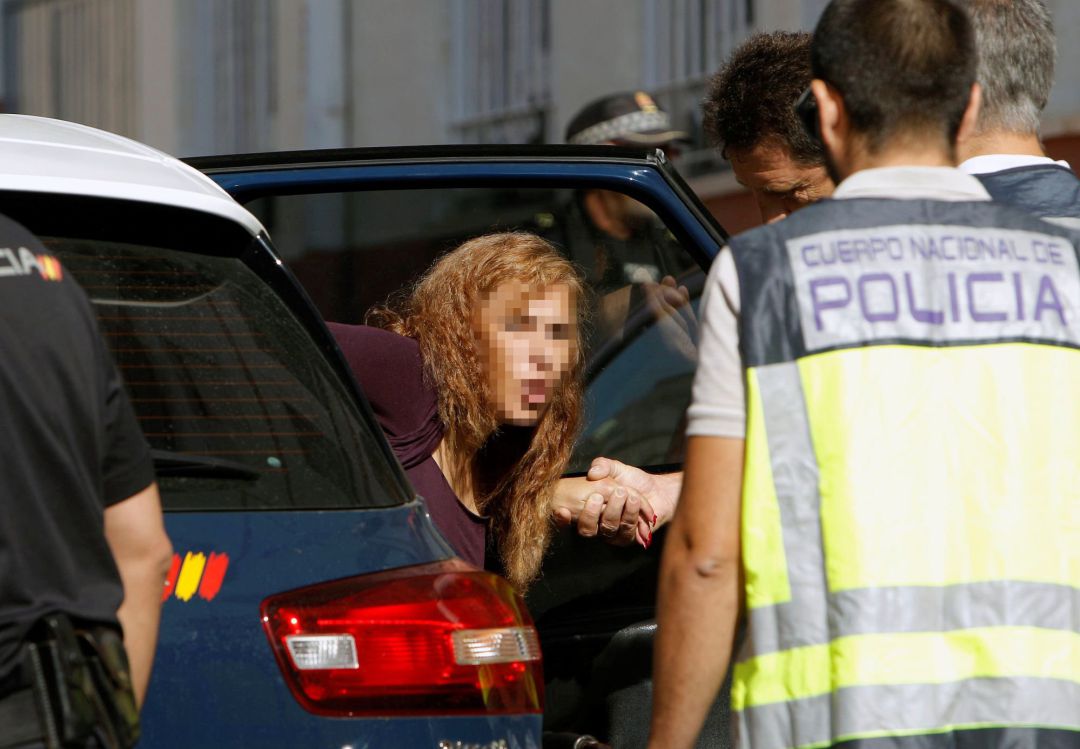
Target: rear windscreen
240 405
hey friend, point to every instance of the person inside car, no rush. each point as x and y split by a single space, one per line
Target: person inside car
633 254
476 376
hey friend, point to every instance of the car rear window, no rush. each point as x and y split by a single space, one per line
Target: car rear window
241 406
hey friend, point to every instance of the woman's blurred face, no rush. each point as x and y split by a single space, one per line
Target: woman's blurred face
525 338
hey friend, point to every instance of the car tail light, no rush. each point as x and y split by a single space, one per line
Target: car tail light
435 639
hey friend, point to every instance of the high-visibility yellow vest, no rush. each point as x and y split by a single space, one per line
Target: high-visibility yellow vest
911 498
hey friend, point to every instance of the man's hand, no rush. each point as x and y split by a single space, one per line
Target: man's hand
616 513
661 491
617 502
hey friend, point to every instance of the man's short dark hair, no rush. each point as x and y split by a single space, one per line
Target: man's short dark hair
752 97
900 65
1016 62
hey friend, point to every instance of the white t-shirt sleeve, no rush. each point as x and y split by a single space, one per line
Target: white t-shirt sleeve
718 407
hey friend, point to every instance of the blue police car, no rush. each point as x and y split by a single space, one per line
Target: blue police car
311 602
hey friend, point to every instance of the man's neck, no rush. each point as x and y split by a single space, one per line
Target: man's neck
1001 142
897 155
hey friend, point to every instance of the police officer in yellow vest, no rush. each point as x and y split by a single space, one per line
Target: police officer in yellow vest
893 498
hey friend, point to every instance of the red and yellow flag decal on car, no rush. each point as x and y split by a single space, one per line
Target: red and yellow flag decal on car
196 573
50 268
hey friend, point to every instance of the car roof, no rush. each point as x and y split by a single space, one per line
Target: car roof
38 154
455 152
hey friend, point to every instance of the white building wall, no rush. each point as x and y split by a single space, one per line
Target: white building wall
597 48
1063 112
399 68
156 113
206 76
779 14
325 62
66 50
290 75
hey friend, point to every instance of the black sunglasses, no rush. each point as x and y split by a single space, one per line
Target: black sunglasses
806 110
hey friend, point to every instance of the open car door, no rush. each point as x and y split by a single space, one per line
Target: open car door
354 226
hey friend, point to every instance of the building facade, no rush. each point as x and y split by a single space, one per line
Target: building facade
214 76
197 77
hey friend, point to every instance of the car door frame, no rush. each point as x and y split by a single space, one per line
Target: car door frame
644 174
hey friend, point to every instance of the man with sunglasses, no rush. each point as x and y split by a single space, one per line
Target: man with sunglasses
884 504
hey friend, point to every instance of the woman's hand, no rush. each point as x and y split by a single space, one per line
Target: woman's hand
661 491
616 513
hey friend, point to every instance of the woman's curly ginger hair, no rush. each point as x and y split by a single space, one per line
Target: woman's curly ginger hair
513 485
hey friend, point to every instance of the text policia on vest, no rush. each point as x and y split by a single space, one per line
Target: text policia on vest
925 275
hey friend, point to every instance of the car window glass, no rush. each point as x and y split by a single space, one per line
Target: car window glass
352 250
241 408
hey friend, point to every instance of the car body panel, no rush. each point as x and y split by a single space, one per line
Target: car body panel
201 640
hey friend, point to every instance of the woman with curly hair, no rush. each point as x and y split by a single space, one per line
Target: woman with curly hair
476 376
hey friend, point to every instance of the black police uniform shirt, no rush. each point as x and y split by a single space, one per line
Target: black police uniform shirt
70 446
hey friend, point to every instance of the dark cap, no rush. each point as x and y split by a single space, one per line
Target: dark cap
631 117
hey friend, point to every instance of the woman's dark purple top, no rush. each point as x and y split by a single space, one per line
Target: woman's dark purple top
391 374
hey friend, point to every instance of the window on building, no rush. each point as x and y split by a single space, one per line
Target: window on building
684 43
499 77
227 85
56 53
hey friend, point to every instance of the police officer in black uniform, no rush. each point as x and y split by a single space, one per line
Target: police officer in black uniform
83 550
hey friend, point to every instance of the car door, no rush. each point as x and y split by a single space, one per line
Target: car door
356 226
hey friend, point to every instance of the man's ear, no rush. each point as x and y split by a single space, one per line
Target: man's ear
970 120
832 117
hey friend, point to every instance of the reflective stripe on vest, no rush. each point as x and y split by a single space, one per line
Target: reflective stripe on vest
912 563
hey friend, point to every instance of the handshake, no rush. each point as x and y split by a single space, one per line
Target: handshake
619 503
